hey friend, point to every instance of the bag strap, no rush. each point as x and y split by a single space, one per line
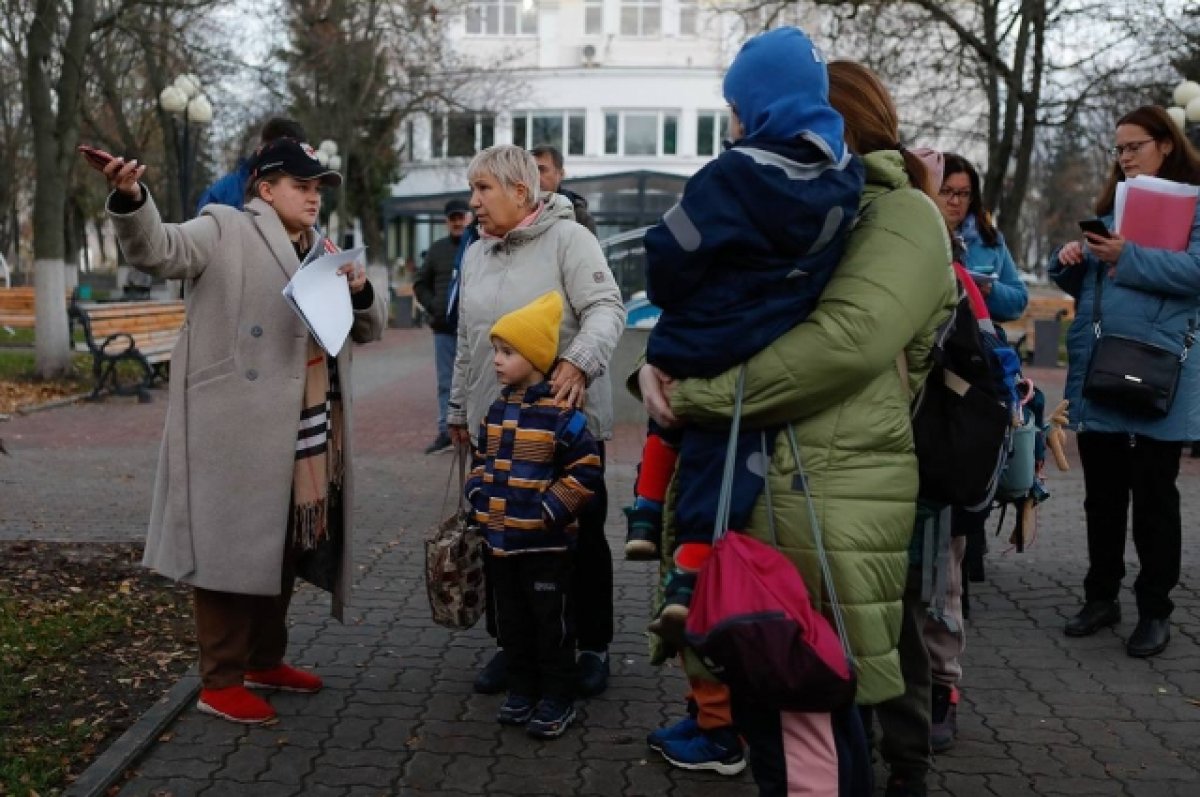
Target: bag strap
1097 310
459 465
762 447
725 497
1189 337
838 620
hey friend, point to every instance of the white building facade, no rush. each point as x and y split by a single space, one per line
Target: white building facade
628 90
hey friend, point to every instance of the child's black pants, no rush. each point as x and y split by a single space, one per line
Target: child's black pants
534 624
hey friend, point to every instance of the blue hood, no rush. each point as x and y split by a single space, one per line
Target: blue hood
780 88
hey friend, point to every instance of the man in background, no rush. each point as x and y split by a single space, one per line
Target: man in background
550 177
432 289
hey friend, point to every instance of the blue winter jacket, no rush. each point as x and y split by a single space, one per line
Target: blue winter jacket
1009 296
229 190
744 255
1153 296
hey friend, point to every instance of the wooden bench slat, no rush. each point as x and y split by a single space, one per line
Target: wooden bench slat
153 327
18 307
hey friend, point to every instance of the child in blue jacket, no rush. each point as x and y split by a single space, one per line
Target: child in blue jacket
740 260
536 468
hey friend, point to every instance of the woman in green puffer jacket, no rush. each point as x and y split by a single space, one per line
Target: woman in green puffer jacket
834 380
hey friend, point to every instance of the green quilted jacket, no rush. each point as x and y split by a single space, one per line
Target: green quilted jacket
835 379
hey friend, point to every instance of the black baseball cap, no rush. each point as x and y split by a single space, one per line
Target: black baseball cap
294 158
456 206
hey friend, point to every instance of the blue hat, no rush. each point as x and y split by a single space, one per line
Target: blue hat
779 86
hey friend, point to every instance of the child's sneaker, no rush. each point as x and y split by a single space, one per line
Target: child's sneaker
644 537
551 719
717 751
517 710
671 623
681 731
944 720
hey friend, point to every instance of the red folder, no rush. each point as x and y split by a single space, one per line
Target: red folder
1157 218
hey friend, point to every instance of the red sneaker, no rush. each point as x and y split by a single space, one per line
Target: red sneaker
285 678
236 704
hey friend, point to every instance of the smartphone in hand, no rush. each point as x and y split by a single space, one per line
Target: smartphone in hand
1095 227
98 158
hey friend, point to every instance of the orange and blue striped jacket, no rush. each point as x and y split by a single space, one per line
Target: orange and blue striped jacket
535 469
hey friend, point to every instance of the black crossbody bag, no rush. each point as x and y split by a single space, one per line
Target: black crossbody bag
1130 374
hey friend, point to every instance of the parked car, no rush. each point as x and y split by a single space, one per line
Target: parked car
626 256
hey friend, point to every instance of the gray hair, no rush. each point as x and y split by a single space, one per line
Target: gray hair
510 166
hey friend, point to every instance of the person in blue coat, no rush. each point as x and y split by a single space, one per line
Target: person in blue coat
1152 295
231 188
987 257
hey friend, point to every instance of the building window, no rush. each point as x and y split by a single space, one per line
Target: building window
641 133
712 128
460 135
641 17
502 17
561 129
688 13
593 17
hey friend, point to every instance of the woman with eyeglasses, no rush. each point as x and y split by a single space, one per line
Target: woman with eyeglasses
1152 295
987 257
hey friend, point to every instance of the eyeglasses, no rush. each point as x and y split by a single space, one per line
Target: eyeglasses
1133 147
949 193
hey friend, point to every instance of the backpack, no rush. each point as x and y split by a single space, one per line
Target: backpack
962 416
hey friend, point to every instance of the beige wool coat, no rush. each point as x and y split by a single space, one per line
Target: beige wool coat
222 493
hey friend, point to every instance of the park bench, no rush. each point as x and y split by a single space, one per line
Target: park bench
140 334
17 307
1058 307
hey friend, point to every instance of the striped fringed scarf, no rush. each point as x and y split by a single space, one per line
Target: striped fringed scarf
318 449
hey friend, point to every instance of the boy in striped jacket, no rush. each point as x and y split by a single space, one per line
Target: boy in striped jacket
535 469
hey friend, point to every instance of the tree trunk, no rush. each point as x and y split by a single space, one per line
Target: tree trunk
55 132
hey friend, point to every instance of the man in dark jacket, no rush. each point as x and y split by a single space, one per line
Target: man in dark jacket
550 177
432 289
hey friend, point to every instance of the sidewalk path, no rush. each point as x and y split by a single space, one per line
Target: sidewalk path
1041 714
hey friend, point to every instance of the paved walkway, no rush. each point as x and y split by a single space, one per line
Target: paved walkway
1042 714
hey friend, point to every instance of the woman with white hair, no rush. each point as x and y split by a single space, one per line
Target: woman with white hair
528 246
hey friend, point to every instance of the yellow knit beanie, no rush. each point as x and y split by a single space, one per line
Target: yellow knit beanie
533 330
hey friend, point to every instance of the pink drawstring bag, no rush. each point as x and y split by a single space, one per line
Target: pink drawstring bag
753 624
751 618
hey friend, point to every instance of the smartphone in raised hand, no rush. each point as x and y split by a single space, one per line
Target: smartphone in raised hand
1095 227
98 158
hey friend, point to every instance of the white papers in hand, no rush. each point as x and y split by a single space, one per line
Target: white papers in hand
321 298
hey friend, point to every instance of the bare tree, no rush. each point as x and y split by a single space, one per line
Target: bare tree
14 150
58 37
358 69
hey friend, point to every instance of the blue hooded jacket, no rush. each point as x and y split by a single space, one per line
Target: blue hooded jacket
744 255
1009 295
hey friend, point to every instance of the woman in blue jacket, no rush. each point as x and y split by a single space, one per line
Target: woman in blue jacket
1152 295
961 202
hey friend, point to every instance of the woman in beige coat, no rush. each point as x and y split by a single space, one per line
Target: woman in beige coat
255 461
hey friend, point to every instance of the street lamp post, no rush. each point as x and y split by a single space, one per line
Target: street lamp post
327 155
190 108
1186 109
